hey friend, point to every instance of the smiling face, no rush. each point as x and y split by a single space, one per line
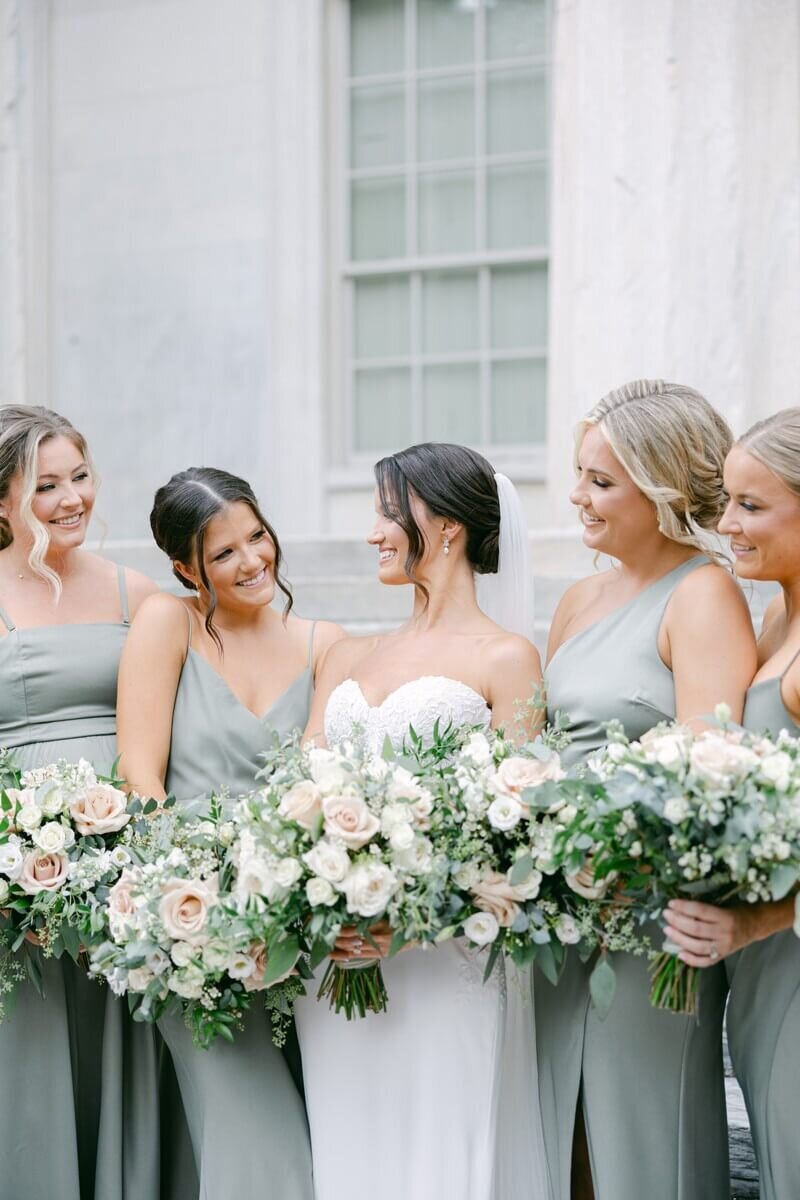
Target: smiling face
762 519
616 515
238 557
63 498
392 541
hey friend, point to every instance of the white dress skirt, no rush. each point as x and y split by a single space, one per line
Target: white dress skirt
436 1098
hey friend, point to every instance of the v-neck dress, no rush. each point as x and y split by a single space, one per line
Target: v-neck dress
246 1116
763 1017
651 1081
75 1121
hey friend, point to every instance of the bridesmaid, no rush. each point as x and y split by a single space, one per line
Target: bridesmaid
664 633
762 479
63 621
204 684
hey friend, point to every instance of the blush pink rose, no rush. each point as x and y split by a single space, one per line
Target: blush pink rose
43 872
255 982
495 895
348 819
302 803
99 809
184 908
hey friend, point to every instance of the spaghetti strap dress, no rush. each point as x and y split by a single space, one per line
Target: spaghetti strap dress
61 1055
245 1113
651 1082
763 1018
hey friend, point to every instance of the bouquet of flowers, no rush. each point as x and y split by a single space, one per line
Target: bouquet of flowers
500 809
60 850
340 838
712 816
176 937
442 840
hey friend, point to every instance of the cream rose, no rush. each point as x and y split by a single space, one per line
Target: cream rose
584 884
327 770
51 800
302 803
29 817
670 750
327 860
369 887
99 809
348 819
287 872
319 891
515 774
495 895
121 908
719 761
43 872
52 837
416 858
184 908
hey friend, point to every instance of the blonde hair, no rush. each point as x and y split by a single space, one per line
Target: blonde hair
23 429
673 445
775 442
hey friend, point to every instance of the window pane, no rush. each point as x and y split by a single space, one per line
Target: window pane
446 119
519 308
377 126
444 32
519 402
381 317
449 312
382 409
452 404
377 36
446 212
516 111
516 27
378 218
517 206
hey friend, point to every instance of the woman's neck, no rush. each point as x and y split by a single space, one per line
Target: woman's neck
449 603
654 560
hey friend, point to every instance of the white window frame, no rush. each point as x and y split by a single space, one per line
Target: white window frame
524 462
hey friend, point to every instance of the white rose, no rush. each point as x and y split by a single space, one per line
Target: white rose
327 770
139 978
29 817
676 809
182 953
328 860
567 931
376 768
255 877
99 809
348 819
720 761
241 965
401 837
51 837
467 875
11 859
477 749
302 803
777 768
227 832
368 888
4 891
319 891
287 872
188 983
393 815
51 800
403 785
481 928
184 907
504 813
416 858
670 750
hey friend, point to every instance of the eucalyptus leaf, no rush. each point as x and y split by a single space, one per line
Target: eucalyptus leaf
546 962
782 880
602 986
281 959
521 869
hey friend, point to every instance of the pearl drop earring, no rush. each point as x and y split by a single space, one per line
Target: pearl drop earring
446 546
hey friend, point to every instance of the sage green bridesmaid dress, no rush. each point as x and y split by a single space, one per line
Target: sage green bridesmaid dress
66 1057
246 1116
764 1011
650 1082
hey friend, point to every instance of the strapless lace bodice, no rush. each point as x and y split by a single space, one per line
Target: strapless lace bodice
420 702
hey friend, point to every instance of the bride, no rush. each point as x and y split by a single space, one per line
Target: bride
434 1099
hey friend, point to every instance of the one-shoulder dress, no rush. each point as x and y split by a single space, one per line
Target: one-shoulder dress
651 1081
246 1116
66 1057
763 1017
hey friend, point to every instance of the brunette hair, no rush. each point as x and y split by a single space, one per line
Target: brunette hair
182 511
453 482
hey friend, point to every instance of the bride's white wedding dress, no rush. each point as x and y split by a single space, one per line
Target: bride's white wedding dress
429 1100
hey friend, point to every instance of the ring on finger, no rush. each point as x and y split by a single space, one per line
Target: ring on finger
713 952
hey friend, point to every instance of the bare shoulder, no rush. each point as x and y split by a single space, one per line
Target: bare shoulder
326 635
578 597
512 651
703 591
162 614
139 588
343 653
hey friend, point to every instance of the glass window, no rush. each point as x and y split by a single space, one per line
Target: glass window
445 254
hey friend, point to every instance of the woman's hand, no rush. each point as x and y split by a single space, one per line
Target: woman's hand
351 944
706 933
